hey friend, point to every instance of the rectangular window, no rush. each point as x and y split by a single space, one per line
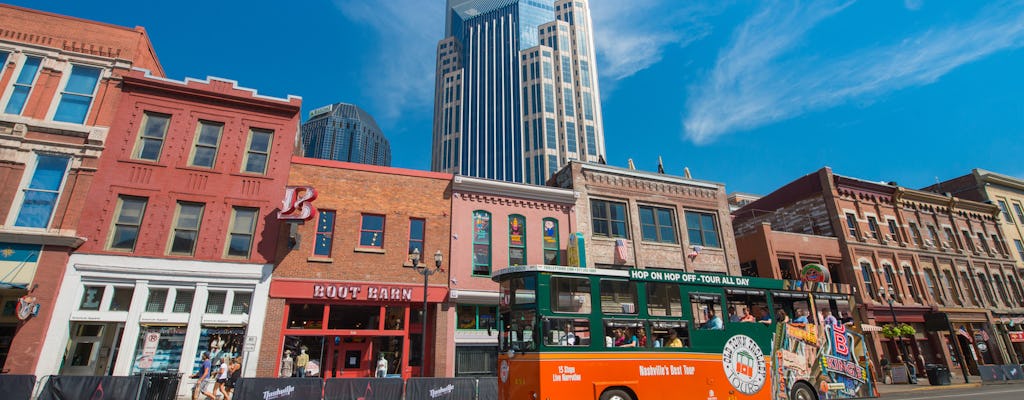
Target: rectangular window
417 226
983 242
608 218
76 98
371 232
566 331
707 310
934 235
894 231
950 237
570 294
3 59
183 301
42 192
567 99
481 243
258 151
866 274
929 280
127 221
702 229
1003 294
471 316
950 283
663 300
967 240
971 287
873 227
552 251
122 298
549 98
618 297
851 224
324 233
657 224
516 240
240 304
1020 248
1020 212
915 234
1006 211
187 219
23 85
1015 286
987 288
908 275
243 227
91 298
204 150
156 301
151 136
215 302
999 245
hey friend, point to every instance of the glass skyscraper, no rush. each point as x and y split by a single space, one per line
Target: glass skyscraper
516 95
344 132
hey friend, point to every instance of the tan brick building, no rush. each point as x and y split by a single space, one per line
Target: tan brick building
636 219
342 293
1007 193
906 252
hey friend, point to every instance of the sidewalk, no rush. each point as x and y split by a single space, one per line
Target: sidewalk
957 382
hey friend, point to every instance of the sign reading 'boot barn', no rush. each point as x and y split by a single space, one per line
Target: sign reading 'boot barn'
353 292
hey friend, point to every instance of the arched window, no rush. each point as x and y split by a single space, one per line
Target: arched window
516 240
481 242
552 254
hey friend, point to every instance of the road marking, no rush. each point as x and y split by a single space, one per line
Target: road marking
964 394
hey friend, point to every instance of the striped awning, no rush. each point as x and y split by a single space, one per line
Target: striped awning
870 328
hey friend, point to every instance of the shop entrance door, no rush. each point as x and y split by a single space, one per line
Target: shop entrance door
348 357
90 348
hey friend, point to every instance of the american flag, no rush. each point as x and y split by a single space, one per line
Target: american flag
963 332
983 334
620 249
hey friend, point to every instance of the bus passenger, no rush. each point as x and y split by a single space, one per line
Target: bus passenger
641 337
625 338
781 317
732 314
801 317
764 318
713 322
747 317
829 319
673 339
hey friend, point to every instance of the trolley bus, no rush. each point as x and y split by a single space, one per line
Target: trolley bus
649 334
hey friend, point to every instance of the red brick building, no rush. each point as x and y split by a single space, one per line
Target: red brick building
343 294
906 252
180 230
59 93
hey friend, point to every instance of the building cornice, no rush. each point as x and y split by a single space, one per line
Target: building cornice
648 176
518 190
63 238
999 179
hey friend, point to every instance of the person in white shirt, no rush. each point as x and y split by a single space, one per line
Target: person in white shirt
222 377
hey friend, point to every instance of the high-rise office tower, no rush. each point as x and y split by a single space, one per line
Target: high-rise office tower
516 95
344 132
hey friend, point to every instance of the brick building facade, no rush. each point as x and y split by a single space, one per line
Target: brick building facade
906 252
342 293
635 219
494 225
59 92
180 234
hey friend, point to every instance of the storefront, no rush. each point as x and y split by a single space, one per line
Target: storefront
128 315
334 329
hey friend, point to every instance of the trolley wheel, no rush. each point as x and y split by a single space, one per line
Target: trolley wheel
616 394
802 391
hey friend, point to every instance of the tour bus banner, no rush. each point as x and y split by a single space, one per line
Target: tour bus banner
278 388
17 387
66 387
487 388
363 388
705 279
440 388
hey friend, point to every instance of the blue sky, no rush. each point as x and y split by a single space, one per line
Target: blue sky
750 94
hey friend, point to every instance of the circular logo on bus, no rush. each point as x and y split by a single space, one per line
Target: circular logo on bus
503 371
744 364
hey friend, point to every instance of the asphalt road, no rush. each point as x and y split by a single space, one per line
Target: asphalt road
986 392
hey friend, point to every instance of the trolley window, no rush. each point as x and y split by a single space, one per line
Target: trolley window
570 295
618 296
663 300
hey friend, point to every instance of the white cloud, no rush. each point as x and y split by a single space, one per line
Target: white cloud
400 75
630 36
756 81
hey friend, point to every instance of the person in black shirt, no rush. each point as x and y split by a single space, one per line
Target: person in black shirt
234 373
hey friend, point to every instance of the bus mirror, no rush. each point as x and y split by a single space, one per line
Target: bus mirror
511 353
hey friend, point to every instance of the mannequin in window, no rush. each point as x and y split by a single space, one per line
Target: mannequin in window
287 365
300 362
382 366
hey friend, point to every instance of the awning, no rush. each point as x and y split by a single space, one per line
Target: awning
870 328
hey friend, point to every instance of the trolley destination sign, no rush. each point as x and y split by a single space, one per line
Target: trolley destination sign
654 275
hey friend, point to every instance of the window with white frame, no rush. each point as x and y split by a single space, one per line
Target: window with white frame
204 149
851 224
894 230
151 136
187 218
42 191
257 151
1006 211
243 227
873 227
122 298
1020 212
3 59
91 297
76 97
22 85
157 300
241 302
127 222
215 302
183 300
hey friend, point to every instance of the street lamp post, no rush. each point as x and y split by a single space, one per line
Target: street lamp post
890 297
414 258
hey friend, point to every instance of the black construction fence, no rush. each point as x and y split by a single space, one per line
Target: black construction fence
1001 373
157 386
